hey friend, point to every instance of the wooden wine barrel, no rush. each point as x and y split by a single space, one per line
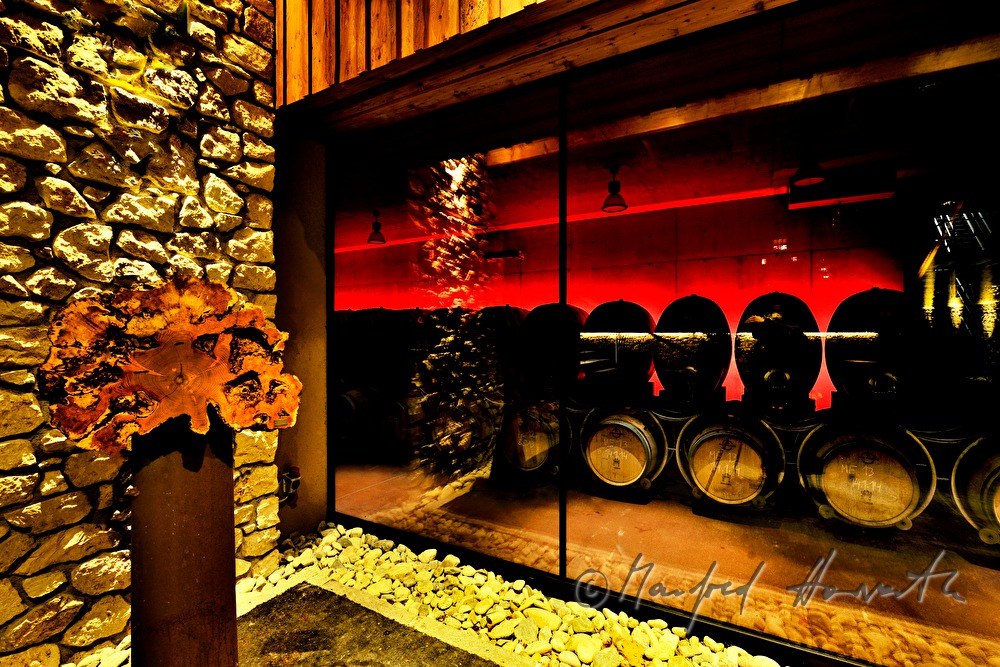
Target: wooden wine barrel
550 347
873 478
866 354
778 351
529 438
975 487
625 449
692 345
615 346
730 459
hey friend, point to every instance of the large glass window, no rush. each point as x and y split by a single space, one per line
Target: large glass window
761 401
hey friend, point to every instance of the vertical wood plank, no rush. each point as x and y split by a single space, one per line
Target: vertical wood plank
280 55
323 44
508 7
494 9
413 31
297 50
383 32
442 22
353 44
473 14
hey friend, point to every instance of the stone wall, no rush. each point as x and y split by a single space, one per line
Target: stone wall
135 144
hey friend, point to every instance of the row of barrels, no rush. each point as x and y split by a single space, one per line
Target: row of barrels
868 474
877 349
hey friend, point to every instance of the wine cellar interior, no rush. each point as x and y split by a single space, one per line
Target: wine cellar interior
741 379
683 310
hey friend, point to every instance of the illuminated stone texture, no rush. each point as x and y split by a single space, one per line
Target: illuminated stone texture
12 175
25 220
134 146
15 258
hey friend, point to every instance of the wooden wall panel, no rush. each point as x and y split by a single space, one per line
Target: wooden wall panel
442 21
473 14
413 26
324 44
508 7
279 59
353 39
297 49
383 32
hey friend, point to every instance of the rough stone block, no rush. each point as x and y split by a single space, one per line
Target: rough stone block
38 86
50 514
16 454
23 137
24 346
20 413
253 446
31 34
20 218
91 467
254 278
102 574
69 545
13 175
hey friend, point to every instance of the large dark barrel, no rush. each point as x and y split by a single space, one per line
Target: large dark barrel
615 347
495 332
865 346
372 348
624 448
778 352
975 487
867 475
692 345
730 458
550 348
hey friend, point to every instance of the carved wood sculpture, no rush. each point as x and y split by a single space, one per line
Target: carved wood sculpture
123 364
124 372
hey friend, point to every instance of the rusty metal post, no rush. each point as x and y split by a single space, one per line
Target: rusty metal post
183 569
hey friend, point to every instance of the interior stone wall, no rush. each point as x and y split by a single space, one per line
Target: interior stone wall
136 143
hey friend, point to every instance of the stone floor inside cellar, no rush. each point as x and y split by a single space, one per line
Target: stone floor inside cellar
681 545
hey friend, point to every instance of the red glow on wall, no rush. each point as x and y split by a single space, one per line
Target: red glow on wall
724 251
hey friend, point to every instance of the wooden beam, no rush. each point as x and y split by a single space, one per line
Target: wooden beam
973 52
557 36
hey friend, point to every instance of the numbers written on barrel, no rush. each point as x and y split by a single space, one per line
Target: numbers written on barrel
624 448
975 486
529 438
730 458
876 478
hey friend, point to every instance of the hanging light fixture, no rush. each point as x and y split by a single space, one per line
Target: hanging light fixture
808 173
614 202
376 236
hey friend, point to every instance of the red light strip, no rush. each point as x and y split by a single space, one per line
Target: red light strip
593 215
